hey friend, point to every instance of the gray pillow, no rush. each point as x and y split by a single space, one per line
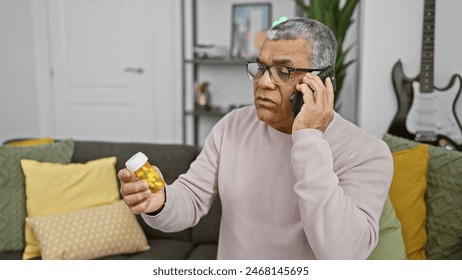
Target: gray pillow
12 190
443 199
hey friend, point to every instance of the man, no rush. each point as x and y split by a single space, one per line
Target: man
309 187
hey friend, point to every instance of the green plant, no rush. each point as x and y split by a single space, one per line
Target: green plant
339 20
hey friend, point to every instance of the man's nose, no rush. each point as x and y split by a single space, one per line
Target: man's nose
265 80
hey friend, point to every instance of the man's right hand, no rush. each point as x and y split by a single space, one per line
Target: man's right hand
137 194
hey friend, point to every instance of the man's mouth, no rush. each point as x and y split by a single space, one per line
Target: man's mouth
264 101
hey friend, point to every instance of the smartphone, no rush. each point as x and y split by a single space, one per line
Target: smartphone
296 99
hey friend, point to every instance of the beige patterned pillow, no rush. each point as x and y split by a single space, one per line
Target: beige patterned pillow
89 233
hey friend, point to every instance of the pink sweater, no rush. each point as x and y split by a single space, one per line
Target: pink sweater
307 195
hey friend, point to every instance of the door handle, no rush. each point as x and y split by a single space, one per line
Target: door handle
134 70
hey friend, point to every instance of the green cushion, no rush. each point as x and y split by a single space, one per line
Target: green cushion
391 243
12 190
443 199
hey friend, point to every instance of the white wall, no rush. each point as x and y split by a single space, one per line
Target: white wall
18 96
167 73
390 31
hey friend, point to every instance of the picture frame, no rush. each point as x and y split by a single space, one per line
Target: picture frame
250 21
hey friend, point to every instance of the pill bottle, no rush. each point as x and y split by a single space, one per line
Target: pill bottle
139 165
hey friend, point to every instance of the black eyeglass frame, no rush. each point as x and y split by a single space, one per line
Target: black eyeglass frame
290 69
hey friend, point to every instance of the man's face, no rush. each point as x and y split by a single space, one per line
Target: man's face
272 101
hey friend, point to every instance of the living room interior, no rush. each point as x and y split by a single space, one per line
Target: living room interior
130 81
389 31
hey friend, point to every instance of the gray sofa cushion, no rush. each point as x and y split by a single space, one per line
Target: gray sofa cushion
172 159
204 252
11 255
207 230
161 249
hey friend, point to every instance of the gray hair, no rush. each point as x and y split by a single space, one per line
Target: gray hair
320 37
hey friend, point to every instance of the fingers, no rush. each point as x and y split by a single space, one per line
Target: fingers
141 207
144 201
317 110
138 202
132 191
137 194
125 175
322 92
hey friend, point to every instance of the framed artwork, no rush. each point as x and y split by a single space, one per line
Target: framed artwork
250 21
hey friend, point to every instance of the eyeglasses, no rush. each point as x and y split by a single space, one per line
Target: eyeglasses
279 75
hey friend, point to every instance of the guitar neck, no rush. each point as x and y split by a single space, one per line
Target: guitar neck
428 44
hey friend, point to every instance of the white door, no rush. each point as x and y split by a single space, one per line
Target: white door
101 63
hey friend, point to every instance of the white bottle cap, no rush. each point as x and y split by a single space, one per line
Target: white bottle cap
136 161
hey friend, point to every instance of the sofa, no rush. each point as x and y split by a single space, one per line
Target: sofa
199 242
426 192
423 219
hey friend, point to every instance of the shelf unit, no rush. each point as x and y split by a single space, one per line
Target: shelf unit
191 65
198 112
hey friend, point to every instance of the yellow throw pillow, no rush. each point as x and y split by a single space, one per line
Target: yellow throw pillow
30 142
407 193
89 233
53 188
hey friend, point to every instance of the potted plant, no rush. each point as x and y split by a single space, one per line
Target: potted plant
339 20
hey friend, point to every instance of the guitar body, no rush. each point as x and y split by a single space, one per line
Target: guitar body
426 117
405 95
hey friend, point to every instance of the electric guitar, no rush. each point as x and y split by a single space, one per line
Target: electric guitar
426 113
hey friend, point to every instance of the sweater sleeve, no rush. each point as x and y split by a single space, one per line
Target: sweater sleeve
190 197
340 210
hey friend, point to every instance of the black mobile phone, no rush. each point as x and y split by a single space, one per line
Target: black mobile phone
296 99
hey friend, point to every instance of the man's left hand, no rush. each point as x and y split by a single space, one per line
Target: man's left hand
318 108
